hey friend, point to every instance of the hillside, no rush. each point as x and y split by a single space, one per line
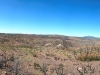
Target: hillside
33 40
31 54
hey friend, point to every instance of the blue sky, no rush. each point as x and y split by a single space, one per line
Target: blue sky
64 17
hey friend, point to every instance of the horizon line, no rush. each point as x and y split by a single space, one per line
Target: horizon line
47 34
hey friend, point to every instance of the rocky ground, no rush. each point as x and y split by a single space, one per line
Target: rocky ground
45 55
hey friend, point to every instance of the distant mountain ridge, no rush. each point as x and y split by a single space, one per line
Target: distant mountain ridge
90 37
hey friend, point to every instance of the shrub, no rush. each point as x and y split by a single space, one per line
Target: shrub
11 66
12 58
86 70
44 68
50 54
36 65
61 65
34 54
87 54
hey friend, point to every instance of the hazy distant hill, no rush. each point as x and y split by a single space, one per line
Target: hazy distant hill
90 37
41 40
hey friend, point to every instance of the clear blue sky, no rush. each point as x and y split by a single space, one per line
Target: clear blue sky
64 17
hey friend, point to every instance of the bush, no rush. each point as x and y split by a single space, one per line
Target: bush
87 54
34 54
11 66
36 65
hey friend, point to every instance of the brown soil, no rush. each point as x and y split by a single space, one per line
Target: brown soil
29 49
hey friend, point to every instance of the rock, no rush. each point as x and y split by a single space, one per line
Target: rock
48 44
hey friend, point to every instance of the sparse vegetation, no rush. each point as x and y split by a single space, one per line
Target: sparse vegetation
34 54
88 54
28 55
50 54
10 66
86 69
44 68
36 65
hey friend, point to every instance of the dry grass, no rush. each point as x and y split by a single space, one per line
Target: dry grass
28 55
88 54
